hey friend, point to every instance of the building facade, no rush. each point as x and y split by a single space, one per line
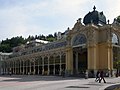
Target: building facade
89 47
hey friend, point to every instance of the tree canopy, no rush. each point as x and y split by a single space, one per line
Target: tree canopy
8 44
118 19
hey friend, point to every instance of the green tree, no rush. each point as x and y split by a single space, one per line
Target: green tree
118 19
5 48
8 44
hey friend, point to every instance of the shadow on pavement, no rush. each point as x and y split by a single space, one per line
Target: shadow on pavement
99 84
77 87
28 78
113 87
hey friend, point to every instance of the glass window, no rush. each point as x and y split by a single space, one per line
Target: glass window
79 39
115 39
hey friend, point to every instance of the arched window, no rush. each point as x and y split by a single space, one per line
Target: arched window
115 39
79 39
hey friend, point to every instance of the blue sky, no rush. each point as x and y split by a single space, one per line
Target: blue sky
34 17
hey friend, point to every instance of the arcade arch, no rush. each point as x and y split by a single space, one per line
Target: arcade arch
80 60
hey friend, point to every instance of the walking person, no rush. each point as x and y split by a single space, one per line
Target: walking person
97 76
102 77
86 74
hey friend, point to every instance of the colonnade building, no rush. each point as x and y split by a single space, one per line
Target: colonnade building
89 46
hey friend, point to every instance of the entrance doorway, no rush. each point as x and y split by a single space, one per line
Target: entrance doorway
116 59
80 60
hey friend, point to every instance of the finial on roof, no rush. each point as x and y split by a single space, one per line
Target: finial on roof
79 20
68 28
108 21
94 8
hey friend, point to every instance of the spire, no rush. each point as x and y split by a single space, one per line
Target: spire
94 8
108 21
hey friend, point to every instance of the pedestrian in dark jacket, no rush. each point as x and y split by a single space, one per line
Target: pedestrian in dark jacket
102 77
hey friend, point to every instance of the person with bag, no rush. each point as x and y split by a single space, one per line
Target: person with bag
97 76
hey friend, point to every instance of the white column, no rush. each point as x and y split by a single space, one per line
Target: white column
23 66
48 66
30 66
13 68
42 65
9 66
5 67
26 67
34 66
20 66
54 66
18 70
60 66
38 65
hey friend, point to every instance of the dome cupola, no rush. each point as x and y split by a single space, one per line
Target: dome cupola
95 17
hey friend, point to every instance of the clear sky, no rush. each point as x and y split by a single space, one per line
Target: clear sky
34 17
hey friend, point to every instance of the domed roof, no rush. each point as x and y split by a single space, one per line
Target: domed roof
95 17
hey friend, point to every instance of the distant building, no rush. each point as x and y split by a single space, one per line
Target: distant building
92 46
61 36
36 42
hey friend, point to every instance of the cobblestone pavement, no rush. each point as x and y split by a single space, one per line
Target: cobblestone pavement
24 82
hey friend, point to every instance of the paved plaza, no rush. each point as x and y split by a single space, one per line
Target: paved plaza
31 82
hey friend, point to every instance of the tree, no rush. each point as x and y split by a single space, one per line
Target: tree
55 35
8 44
36 37
42 37
5 48
118 19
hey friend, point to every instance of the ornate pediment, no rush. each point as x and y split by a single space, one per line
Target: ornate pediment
78 25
